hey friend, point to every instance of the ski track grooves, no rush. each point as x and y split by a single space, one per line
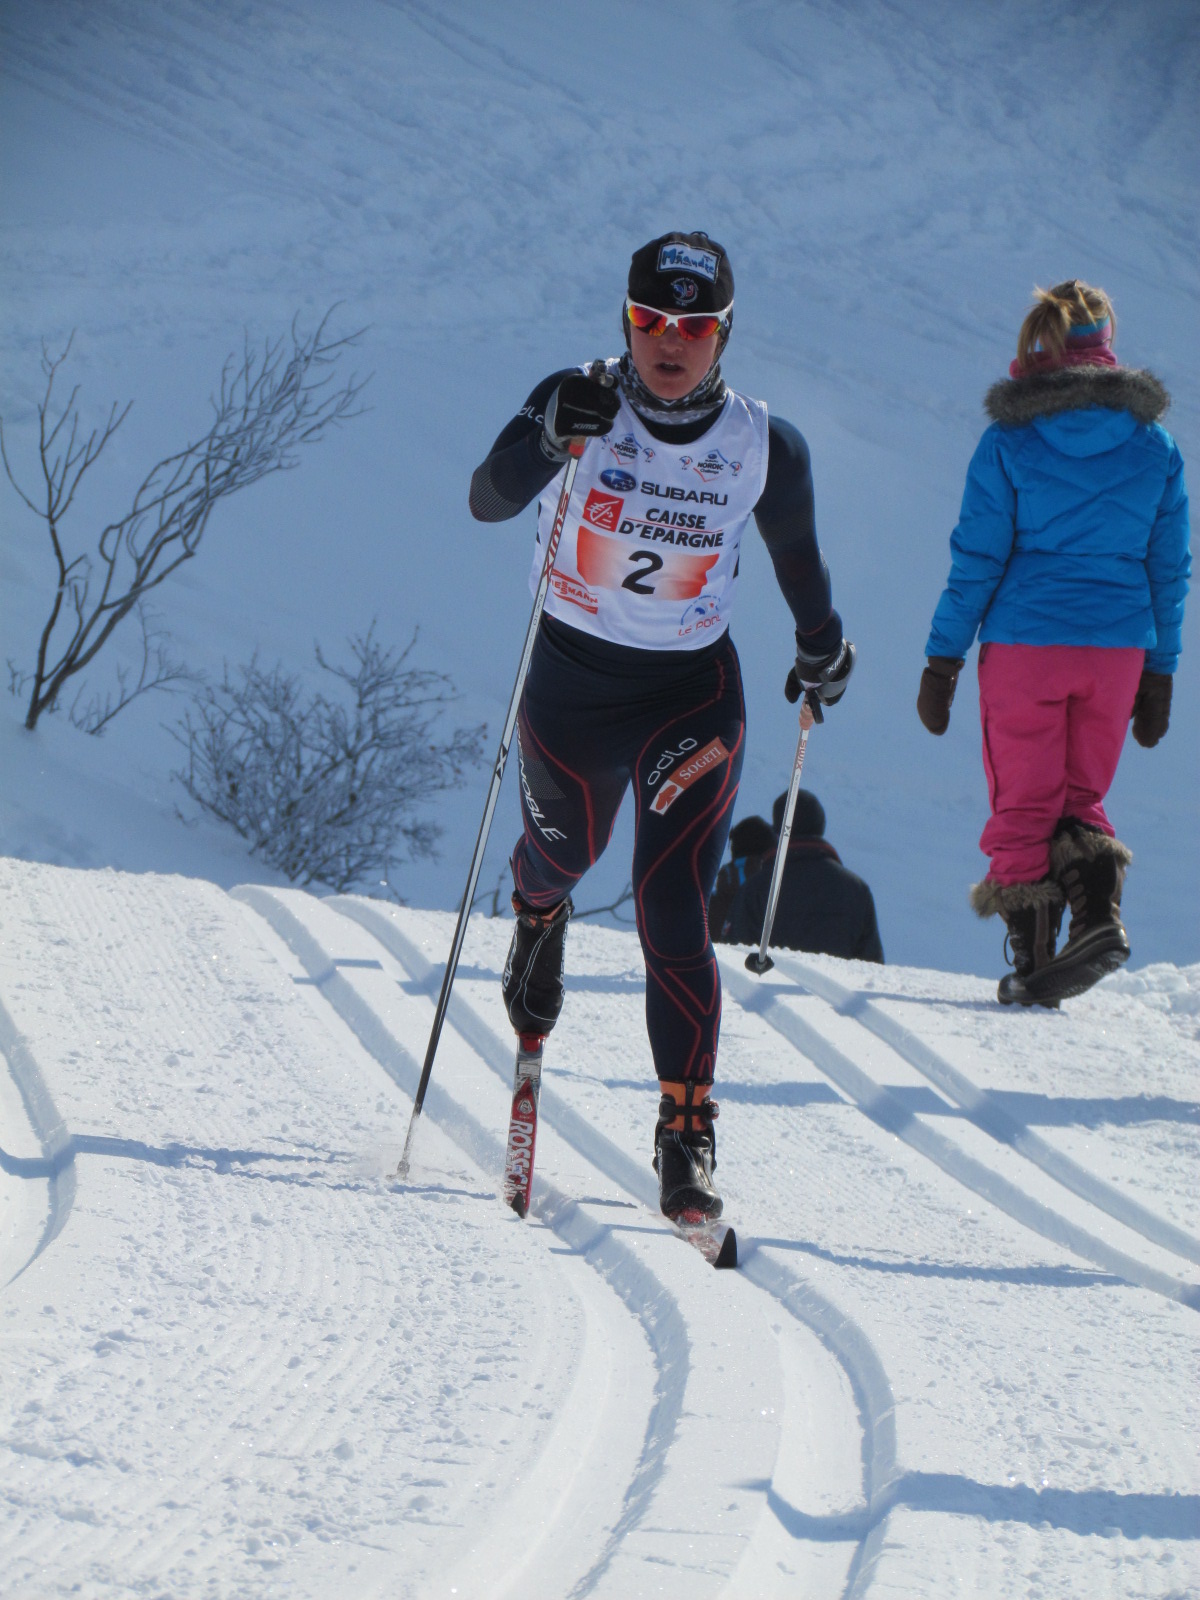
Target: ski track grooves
991 1118
641 1292
58 1150
763 997
846 1342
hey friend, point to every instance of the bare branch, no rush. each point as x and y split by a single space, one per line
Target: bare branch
157 672
11 476
493 895
269 403
327 788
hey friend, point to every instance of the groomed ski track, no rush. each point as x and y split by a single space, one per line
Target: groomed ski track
715 1359
1016 1198
846 1341
653 1428
987 1113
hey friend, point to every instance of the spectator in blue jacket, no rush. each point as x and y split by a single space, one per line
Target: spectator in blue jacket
1070 561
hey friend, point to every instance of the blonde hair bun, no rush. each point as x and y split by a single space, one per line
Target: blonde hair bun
1070 312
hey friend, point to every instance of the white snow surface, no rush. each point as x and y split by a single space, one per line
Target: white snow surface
959 1356
238 1357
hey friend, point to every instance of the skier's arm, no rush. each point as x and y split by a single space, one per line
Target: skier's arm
787 521
980 547
519 465
1168 568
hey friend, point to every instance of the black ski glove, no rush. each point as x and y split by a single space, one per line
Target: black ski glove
936 694
582 407
1152 708
823 678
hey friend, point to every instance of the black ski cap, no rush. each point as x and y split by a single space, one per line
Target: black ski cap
681 272
752 836
808 819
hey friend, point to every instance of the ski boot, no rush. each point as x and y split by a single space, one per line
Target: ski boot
1089 864
533 973
1032 913
685 1153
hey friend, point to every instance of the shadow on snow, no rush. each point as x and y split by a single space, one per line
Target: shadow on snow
1099 1512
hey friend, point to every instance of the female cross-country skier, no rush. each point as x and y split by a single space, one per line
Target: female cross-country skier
634 678
1071 562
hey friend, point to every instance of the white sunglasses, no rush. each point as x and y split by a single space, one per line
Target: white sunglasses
691 324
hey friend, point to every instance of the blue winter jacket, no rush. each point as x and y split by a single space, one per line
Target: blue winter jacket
1074 521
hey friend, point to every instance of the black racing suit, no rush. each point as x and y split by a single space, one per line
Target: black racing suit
596 716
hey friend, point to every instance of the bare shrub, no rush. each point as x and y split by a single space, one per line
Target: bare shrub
158 671
328 789
271 400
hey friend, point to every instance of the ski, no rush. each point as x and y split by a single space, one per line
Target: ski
523 1123
715 1240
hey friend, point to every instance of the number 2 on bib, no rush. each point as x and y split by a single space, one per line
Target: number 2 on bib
634 580
604 563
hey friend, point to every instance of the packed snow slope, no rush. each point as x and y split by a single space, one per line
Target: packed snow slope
240 1359
466 183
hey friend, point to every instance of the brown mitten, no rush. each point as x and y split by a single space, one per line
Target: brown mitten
1152 708
936 694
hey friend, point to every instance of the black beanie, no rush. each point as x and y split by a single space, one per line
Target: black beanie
750 837
808 819
681 272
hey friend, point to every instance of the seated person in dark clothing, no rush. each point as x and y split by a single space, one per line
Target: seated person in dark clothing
823 907
751 842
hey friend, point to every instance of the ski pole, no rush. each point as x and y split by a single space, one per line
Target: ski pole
464 911
760 962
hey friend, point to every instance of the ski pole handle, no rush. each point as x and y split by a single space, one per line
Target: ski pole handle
759 961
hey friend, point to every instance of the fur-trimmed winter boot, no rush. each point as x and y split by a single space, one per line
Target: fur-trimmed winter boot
1090 865
1031 913
533 973
685 1152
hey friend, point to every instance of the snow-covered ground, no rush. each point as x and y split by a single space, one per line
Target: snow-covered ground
238 1359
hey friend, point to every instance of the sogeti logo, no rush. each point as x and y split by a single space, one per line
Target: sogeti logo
622 482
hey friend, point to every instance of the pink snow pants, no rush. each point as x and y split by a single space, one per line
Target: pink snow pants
1054 720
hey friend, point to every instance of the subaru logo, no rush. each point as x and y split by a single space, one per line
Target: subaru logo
622 482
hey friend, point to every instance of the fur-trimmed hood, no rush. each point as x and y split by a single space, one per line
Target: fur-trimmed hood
1015 402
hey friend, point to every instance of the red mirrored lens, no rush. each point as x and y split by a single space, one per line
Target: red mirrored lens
647 319
698 327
